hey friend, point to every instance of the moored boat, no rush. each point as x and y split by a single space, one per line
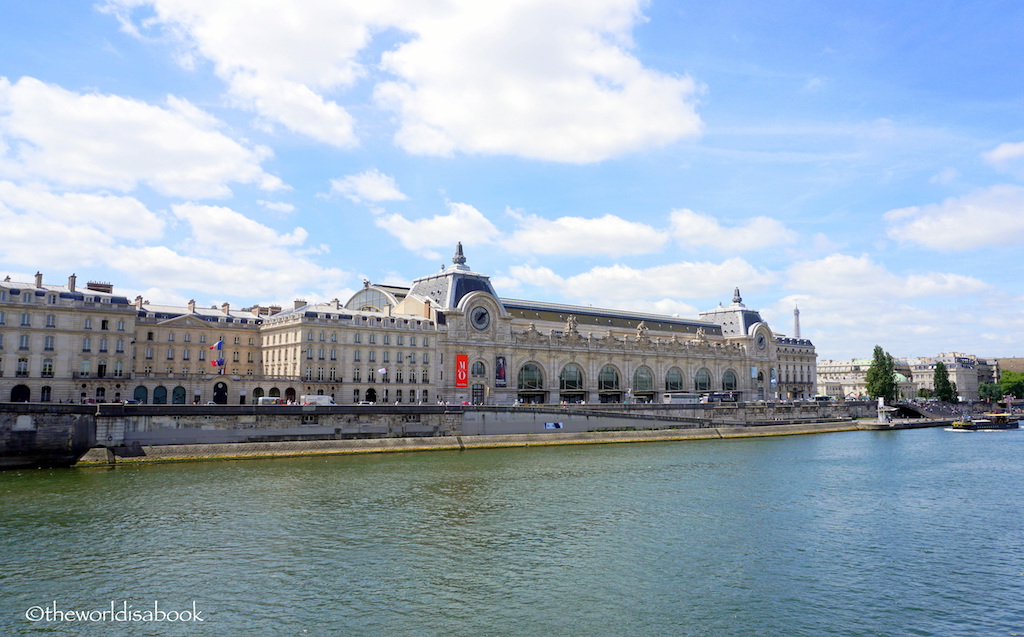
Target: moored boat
989 422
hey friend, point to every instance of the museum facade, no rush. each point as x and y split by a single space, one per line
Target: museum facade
448 337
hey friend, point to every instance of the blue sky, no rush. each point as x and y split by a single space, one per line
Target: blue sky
863 161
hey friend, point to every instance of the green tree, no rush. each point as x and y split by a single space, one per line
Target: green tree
1012 384
989 391
881 376
944 390
925 393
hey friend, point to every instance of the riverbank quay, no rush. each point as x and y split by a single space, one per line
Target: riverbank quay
241 450
111 433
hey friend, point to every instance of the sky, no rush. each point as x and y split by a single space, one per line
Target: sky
861 161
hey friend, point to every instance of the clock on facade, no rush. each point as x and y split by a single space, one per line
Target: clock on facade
762 342
480 318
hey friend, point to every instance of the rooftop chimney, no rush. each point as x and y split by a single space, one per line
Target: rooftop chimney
192 306
71 283
39 279
299 303
226 308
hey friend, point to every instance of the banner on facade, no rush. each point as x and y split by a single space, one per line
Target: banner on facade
462 370
499 372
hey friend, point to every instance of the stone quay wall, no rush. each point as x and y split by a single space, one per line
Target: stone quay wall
175 431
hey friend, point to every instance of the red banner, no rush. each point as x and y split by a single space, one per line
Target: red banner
462 370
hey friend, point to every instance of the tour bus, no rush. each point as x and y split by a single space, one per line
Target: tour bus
679 398
319 399
718 397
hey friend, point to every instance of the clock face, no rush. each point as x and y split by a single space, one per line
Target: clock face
480 318
762 342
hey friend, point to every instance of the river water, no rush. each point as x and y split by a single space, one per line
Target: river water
862 533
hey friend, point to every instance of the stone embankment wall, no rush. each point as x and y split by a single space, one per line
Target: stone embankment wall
170 453
154 431
54 436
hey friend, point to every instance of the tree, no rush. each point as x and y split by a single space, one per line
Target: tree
1012 384
881 376
944 390
989 391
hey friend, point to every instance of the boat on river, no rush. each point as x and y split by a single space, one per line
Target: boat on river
988 422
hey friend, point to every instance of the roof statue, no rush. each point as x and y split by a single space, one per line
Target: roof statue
571 324
459 259
641 331
736 298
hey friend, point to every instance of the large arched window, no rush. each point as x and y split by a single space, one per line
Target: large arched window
530 377
702 380
643 380
160 395
478 369
674 380
729 381
608 379
571 378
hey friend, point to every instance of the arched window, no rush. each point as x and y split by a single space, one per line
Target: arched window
478 369
571 378
702 380
608 379
530 377
674 380
643 380
729 380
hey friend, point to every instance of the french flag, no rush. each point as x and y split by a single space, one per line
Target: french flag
218 345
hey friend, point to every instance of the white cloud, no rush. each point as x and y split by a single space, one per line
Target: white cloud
848 304
1004 153
541 79
229 254
422 236
116 217
608 236
105 141
276 206
984 218
656 289
860 278
534 78
693 229
371 185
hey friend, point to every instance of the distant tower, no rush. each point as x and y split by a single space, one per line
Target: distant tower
796 322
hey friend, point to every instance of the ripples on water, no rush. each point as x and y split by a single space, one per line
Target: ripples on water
861 533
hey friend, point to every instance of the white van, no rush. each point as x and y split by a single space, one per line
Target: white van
316 400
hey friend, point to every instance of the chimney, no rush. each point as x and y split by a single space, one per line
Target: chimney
226 308
192 306
39 279
138 300
71 283
299 303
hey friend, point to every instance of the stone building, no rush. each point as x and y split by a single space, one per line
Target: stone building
447 337
847 379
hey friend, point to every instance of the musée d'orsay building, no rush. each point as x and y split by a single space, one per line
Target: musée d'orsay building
448 337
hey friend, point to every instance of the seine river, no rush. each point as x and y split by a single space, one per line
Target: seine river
861 533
